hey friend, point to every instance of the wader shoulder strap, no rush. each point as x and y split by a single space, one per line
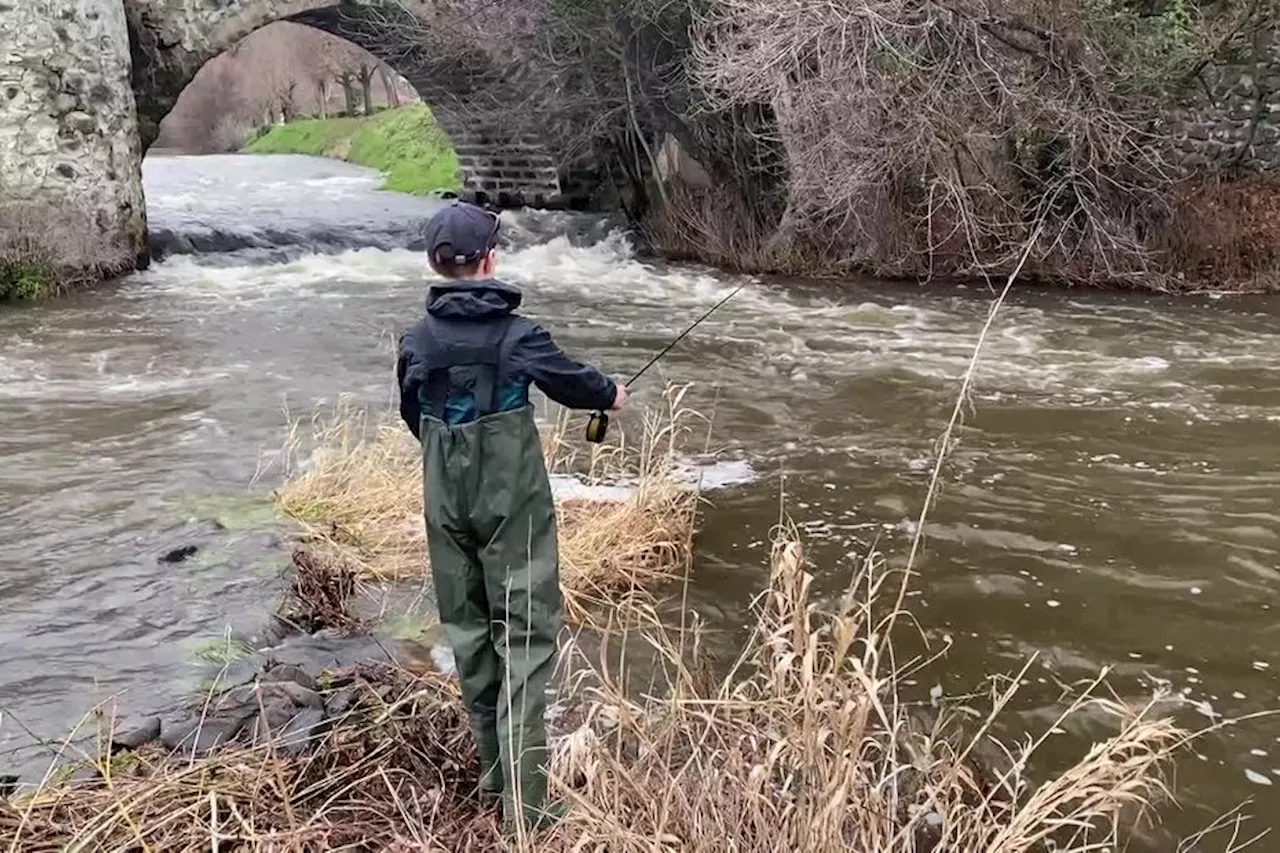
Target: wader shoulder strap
484 362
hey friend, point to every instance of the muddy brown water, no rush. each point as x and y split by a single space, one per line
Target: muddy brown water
1112 500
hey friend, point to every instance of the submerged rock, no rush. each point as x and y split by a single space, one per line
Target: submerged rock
303 730
292 673
177 555
140 736
200 736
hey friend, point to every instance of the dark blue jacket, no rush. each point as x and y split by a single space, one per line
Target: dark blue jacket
470 314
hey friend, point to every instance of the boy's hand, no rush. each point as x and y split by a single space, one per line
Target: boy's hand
619 398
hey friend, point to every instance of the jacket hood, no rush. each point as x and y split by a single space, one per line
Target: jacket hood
472 300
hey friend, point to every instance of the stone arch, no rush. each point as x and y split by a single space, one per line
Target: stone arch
170 41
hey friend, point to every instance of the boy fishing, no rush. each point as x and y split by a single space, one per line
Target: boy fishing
464 373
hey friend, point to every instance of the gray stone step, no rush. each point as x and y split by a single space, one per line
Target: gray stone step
531 172
478 162
477 148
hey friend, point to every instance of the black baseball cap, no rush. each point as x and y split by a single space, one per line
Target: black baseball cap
461 234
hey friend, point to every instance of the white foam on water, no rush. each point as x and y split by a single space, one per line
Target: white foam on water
127 387
701 476
1257 778
185 277
801 336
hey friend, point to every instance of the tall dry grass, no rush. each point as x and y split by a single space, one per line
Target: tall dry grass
355 490
808 743
45 251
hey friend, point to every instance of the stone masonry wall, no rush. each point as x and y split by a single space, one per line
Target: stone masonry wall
68 127
466 85
1235 121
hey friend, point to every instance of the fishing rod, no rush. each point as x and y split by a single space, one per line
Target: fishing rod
598 424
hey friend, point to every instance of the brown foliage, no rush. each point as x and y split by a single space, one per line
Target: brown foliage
359 504
1223 233
321 594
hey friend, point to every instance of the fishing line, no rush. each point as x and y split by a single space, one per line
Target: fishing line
598 424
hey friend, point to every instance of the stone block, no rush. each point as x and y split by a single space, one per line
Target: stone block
70 153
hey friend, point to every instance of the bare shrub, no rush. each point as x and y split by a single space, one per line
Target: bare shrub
928 138
45 251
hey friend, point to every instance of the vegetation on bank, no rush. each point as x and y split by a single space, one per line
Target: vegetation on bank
357 497
45 253
404 143
910 139
814 738
810 743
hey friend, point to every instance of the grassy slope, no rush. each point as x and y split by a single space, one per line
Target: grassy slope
405 143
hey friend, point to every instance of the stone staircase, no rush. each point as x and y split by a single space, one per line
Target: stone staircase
507 172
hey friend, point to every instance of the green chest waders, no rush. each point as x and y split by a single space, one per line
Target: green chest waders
491 540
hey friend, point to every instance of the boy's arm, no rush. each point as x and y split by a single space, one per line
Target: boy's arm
410 411
573 385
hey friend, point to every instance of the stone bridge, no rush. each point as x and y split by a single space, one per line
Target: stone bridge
424 40
84 85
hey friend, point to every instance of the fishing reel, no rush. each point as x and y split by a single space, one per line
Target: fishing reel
597 426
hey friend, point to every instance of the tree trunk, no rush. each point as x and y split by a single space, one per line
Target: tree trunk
366 88
322 97
349 91
390 87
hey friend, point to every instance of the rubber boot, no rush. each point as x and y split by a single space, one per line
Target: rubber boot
490 759
534 809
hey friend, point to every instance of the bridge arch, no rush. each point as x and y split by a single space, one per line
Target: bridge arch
465 86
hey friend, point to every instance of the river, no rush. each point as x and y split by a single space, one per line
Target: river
1112 500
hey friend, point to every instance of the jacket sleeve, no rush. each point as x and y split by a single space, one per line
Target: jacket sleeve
406 379
573 385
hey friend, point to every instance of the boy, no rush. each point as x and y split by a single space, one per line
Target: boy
464 373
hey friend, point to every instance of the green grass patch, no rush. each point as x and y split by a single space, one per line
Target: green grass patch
235 512
406 144
24 280
317 137
222 651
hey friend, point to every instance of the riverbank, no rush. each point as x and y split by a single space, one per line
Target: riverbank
405 143
816 743
818 739
46 253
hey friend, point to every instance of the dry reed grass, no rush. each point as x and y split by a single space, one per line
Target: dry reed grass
396 772
807 744
358 499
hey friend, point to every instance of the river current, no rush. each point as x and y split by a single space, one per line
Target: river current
1112 500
